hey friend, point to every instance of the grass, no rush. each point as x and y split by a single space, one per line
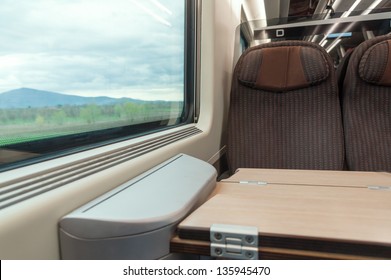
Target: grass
22 133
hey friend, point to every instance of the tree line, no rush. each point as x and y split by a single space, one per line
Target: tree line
88 114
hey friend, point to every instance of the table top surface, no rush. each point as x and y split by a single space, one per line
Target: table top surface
362 215
311 177
349 212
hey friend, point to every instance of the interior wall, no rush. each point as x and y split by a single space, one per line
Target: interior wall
29 230
226 20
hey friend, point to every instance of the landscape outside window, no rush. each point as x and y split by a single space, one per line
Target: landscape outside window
74 66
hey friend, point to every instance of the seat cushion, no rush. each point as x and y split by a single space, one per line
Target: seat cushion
375 65
284 68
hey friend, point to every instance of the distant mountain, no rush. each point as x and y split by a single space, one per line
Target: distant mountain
27 97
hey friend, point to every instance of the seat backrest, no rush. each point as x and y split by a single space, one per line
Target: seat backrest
285 111
367 106
341 71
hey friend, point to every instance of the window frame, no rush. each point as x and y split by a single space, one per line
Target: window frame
70 144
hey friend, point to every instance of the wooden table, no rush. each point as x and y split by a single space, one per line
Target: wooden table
311 177
331 215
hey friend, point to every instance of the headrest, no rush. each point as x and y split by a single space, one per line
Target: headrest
375 64
283 68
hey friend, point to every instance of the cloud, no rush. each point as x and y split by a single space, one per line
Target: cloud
93 47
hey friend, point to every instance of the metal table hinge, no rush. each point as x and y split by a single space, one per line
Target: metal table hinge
261 183
234 242
379 188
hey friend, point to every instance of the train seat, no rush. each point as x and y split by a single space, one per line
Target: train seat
367 106
285 110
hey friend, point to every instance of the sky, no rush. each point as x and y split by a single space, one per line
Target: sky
116 48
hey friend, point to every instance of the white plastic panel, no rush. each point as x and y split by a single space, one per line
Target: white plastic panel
155 200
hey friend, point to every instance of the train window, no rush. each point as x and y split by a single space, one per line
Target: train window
78 74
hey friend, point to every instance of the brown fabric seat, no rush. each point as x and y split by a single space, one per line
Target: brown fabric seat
285 111
367 106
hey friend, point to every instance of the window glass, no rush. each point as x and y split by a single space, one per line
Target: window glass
96 70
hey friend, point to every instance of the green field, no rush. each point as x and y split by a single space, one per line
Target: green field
28 124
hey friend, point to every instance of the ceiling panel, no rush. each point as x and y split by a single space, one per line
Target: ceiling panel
306 8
